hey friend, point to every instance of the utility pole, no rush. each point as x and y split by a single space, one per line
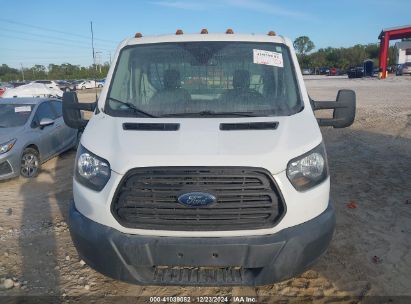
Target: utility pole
94 57
109 55
92 43
22 70
98 60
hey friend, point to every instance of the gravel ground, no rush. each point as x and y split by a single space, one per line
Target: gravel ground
369 256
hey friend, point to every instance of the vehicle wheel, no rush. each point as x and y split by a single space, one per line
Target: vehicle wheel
83 88
100 85
30 163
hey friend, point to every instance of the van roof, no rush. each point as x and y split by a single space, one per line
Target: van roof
206 37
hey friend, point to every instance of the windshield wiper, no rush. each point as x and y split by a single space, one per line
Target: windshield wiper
132 107
212 113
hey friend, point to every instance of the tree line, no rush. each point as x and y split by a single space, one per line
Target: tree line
338 57
65 71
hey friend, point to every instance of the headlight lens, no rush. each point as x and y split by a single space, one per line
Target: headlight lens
91 170
309 169
6 147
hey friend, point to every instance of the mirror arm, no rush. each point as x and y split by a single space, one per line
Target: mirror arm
327 122
83 106
324 105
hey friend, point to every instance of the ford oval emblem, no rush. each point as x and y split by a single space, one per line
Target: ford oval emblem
197 199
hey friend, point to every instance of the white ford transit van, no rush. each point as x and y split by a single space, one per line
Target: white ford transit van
203 163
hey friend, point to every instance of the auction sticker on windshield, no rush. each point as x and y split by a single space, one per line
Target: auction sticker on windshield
268 58
22 109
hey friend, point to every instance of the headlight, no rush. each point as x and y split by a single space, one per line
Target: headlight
309 169
91 171
6 147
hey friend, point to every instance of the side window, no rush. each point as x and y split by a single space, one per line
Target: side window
43 111
57 106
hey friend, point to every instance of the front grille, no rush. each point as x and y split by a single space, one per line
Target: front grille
5 168
247 198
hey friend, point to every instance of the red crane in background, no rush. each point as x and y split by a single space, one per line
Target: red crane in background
386 35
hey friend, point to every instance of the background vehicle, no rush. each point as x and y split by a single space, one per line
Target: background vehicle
66 86
404 69
100 83
306 71
33 90
49 83
323 71
86 84
225 173
32 131
355 72
335 72
4 86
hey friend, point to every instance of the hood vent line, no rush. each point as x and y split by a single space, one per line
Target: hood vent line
151 126
266 125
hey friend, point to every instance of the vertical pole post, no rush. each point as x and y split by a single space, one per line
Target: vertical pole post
22 71
384 44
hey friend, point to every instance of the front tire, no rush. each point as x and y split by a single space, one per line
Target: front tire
83 88
30 163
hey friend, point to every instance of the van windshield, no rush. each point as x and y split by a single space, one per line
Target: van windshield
204 79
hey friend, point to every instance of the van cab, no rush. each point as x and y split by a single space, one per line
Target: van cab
203 163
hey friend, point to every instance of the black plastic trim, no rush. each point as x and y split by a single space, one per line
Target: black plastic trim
151 126
265 125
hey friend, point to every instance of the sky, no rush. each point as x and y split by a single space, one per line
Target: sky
44 31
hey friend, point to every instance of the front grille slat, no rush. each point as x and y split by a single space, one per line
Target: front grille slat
247 198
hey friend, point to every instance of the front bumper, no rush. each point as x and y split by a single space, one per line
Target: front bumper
9 165
252 260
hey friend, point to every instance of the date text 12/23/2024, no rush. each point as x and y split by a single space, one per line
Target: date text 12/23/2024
203 299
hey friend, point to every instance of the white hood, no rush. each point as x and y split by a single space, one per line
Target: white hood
200 142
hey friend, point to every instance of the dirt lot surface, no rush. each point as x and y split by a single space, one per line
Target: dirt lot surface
370 165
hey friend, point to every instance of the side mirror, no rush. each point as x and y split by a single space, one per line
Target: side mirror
344 110
72 110
44 122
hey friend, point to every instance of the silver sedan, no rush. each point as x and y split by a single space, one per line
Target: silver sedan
32 131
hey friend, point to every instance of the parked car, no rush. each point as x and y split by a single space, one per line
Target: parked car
323 71
33 90
4 86
66 86
355 72
335 72
306 72
87 84
49 83
175 181
100 82
32 131
404 69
